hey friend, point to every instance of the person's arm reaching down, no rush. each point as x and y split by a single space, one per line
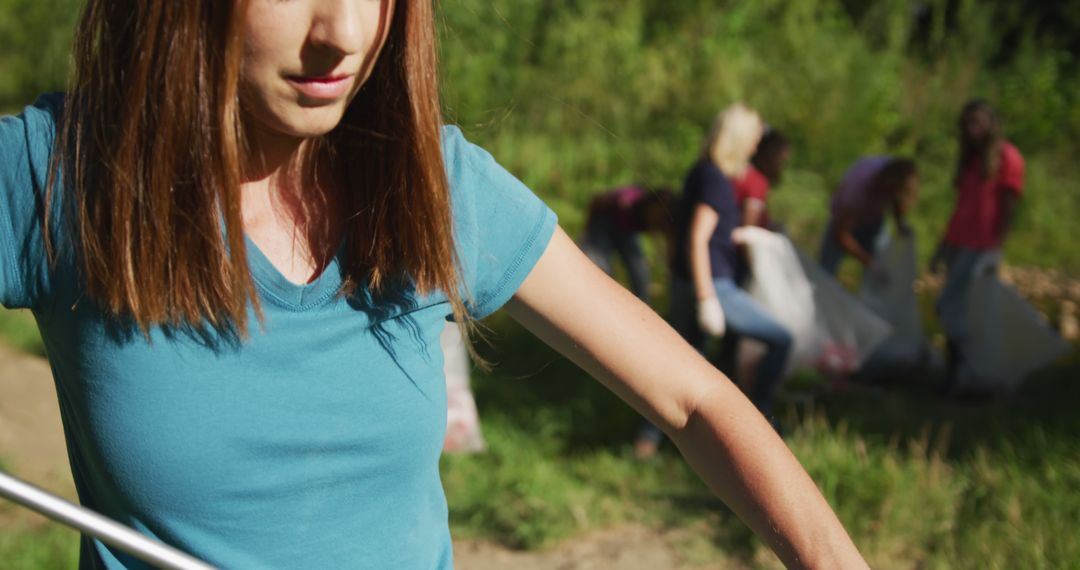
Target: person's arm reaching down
574 307
710 314
848 243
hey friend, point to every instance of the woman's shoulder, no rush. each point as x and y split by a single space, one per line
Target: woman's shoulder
26 143
40 118
457 151
464 161
30 134
708 174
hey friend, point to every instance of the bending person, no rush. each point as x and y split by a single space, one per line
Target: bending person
615 222
872 188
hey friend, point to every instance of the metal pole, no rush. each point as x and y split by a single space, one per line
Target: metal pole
90 523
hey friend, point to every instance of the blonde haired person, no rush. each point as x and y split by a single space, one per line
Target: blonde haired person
734 136
243 272
705 299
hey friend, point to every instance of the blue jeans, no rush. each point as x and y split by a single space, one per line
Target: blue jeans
744 318
603 241
832 254
960 266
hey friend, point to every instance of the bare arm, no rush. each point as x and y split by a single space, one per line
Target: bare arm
702 225
725 439
848 243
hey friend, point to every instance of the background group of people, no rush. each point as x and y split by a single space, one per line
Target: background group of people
727 189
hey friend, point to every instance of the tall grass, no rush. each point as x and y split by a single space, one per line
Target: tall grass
919 482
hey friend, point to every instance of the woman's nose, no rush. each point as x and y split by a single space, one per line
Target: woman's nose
337 26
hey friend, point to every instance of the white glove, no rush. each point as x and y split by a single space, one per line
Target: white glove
710 316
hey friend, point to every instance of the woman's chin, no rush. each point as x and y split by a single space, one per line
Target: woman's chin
300 121
309 122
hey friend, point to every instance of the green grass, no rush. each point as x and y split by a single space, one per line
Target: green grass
50 547
919 482
17 329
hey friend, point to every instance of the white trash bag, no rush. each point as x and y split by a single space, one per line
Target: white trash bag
462 420
780 287
832 331
892 297
1007 339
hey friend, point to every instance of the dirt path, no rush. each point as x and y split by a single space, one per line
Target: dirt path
31 437
32 448
623 548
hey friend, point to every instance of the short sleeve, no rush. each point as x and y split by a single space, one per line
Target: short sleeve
26 142
1012 169
501 227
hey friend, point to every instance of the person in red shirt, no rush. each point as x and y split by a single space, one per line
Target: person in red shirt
752 188
989 183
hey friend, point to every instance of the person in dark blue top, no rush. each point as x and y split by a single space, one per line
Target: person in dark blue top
705 299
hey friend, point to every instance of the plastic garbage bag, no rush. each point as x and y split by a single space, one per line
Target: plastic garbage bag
832 330
850 331
780 287
1007 339
462 419
888 289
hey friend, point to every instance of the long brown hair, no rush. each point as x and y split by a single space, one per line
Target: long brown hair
151 147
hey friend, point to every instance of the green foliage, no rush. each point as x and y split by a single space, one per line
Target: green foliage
18 330
44 547
35 37
578 97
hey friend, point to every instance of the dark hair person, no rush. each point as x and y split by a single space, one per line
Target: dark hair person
765 171
871 188
614 224
256 230
989 182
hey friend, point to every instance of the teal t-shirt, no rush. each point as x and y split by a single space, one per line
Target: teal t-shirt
315 443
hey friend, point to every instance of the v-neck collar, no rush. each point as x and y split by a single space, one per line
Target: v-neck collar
289 295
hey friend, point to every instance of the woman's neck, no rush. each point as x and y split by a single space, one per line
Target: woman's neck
271 155
289 203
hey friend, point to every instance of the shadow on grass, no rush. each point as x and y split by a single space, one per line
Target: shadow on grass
902 421
529 378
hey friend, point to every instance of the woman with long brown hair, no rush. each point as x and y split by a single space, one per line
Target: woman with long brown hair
241 232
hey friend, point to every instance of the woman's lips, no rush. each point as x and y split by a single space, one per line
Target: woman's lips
324 87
